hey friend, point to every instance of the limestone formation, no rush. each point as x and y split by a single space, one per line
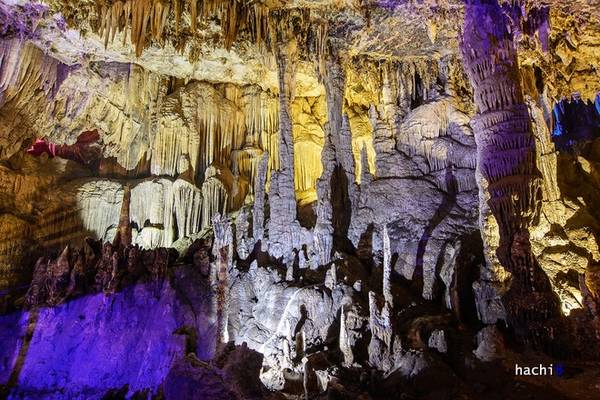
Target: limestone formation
265 200
285 233
506 162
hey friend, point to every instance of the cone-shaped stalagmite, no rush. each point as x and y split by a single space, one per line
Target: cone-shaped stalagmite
336 188
285 233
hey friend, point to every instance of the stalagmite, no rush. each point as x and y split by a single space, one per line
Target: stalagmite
289 271
345 347
448 274
244 243
380 346
258 210
387 268
331 277
285 233
223 253
323 231
123 236
338 163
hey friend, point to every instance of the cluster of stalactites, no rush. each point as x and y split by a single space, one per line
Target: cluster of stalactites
150 19
575 119
28 79
409 83
261 113
22 63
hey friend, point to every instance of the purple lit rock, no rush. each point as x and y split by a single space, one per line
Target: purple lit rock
21 20
12 330
96 343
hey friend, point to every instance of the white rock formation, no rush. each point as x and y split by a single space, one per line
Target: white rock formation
437 340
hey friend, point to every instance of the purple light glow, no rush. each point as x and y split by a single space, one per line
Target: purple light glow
21 20
94 343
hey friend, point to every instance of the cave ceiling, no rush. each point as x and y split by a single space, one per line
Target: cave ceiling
76 32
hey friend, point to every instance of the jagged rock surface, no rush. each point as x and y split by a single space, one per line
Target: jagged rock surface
359 207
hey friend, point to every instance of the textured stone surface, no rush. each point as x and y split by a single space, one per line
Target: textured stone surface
363 199
83 338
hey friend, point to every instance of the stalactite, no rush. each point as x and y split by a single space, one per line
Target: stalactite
187 204
245 162
29 79
147 19
194 14
202 124
175 211
99 203
261 116
410 81
144 18
154 221
307 167
221 125
261 111
215 196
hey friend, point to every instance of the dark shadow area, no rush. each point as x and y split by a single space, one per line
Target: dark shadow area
467 264
307 216
418 95
340 202
364 250
448 202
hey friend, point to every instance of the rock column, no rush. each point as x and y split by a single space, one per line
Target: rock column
285 233
335 201
507 165
223 253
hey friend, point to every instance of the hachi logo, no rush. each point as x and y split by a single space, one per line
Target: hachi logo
540 370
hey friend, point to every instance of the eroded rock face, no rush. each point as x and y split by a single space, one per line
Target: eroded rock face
262 200
232 375
84 337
